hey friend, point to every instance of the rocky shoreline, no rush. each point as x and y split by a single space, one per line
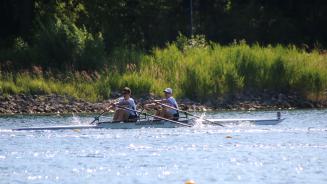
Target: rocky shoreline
57 104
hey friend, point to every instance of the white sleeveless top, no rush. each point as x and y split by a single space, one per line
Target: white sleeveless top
131 104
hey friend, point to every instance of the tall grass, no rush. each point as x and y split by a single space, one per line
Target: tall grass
200 72
31 84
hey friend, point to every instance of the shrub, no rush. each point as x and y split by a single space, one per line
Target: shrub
199 72
62 45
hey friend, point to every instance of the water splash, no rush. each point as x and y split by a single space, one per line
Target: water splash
199 122
76 120
241 124
5 130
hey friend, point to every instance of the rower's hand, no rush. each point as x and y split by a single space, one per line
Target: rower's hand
156 101
111 106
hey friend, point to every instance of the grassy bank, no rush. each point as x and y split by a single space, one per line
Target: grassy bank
194 70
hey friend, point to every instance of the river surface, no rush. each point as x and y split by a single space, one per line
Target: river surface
294 151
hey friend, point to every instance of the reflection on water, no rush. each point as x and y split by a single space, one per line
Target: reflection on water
291 152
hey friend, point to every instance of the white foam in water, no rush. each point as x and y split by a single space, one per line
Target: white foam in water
76 120
199 121
5 130
241 124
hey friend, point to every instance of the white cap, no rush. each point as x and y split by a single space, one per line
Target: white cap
168 90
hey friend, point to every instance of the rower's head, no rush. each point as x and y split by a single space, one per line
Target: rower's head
168 92
126 92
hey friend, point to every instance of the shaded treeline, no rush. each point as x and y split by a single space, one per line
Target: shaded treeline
76 34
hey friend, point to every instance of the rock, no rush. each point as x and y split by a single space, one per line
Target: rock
39 109
64 104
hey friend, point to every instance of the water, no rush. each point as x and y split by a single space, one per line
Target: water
294 151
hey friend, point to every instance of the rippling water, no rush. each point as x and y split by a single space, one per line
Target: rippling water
294 151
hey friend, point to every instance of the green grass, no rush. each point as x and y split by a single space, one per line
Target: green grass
201 72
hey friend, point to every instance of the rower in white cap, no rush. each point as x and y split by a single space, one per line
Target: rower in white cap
169 100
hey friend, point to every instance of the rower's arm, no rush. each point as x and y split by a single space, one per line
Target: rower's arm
164 103
122 103
153 104
161 101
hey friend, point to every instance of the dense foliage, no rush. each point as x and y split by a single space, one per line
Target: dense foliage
193 68
89 48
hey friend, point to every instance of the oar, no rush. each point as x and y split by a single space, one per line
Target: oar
154 116
97 117
189 114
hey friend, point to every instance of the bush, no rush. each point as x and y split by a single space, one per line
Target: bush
57 45
200 72
93 55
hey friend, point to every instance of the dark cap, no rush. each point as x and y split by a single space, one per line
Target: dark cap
126 89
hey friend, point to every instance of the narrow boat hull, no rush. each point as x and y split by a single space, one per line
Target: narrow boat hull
117 125
143 124
254 121
157 124
73 127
